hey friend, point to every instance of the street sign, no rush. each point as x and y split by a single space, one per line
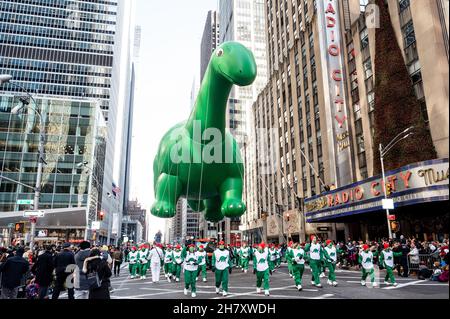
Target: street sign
33 213
24 202
392 217
323 228
388 203
95 226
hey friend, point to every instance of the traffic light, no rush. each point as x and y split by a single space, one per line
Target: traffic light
395 226
101 215
388 189
287 217
19 227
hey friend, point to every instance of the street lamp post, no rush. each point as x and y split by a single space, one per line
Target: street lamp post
5 78
383 151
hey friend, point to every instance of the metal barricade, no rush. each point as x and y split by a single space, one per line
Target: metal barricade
414 261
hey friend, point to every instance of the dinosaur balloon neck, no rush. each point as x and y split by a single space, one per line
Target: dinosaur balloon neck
210 106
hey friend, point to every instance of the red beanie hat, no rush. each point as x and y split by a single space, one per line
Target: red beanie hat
329 241
386 245
365 247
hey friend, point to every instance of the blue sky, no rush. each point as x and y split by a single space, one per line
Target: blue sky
169 61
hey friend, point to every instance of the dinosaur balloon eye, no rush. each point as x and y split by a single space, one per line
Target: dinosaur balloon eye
219 52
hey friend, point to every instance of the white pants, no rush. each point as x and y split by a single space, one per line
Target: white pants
156 270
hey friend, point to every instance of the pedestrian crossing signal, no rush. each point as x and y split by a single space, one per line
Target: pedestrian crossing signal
102 215
19 227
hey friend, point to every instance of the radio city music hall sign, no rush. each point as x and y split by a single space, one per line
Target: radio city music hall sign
334 92
426 178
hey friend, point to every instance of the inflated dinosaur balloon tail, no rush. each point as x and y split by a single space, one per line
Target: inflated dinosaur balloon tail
199 159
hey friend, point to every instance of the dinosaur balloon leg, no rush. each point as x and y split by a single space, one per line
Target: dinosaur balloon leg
199 159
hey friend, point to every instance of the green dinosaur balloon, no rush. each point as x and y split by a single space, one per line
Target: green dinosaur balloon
199 159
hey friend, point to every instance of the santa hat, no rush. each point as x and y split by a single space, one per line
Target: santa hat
262 245
201 247
311 237
169 246
290 243
365 247
386 245
178 247
329 241
221 243
191 246
133 247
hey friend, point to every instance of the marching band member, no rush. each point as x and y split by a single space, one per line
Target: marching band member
261 269
221 266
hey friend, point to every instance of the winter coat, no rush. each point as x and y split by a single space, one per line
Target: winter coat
13 271
104 274
62 260
80 256
43 269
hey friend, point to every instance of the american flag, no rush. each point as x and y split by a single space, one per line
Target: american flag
115 190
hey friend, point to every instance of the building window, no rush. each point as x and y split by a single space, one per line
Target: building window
364 36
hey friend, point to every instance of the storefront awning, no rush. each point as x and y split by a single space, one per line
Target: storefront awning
63 218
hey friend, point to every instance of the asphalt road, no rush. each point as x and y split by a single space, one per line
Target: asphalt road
243 286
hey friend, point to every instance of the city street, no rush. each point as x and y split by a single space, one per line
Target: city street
242 286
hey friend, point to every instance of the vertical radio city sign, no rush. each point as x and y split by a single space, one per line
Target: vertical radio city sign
334 91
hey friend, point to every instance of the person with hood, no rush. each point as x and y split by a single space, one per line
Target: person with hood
221 266
43 270
330 260
387 261
315 259
96 263
81 283
244 255
156 256
366 260
132 259
177 261
190 267
201 262
297 256
63 261
12 271
168 261
261 269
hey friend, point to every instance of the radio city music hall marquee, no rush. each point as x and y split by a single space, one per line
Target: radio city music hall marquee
334 92
420 182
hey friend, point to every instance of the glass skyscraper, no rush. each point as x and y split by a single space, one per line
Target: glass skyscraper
61 51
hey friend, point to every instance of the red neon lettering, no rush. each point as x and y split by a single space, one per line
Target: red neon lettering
337 199
330 201
405 178
359 193
345 197
375 192
340 120
330 9
331 22
333 50
337 75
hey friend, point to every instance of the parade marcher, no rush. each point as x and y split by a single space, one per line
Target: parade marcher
168 261
289 259
273 253
190 267
177 261
297 256
387 261
132 258
261 269
244 255
315 257
201 262
144 260
155 258
330 261
62 261
366 260
237 252
221 266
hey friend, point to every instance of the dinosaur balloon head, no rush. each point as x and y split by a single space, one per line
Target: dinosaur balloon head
235 62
